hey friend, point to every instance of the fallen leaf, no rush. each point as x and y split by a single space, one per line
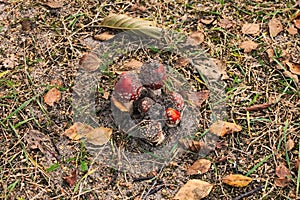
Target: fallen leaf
182 62
237 180
207 21
90 62
71 179
26 25
258 107
222 128
77 131
275 27
248 46
292 30
290 144
133 65
103 36
10 62
197 98
194 189
252 29
53 4
291 75
195 38
99 136
225 23
297 3
52 96
297 23
281 182
294 68
220 68
282 172
34 139
201 166
271 54
193 145
298 163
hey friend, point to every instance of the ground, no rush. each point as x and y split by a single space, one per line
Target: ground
41 47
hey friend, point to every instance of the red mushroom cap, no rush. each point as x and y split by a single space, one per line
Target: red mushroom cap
173 117
128 87
175 100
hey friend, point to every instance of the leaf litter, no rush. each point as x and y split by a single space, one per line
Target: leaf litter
194 189
201 166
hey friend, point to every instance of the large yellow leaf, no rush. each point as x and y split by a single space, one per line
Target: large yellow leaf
237 180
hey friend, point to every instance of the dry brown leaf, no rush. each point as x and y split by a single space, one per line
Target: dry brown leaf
298 163
225 23
222 128
201 166
292 30
275 27
182 62
290 144
248 46
297 23
77 131
195 38
54 4
220 68
197 98
207 21
282 172
133 65
291 75
99 136
294 68
90 62
194 189
258 107
281 182
271 54
237 180
35 138
121 106
52 96
252 29
71 179
103 36
193 145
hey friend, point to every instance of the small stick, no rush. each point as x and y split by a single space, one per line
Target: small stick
248 193
139 179
156 189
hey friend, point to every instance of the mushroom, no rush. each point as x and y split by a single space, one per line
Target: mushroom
151 131
153 75
172 116
144 105
175 100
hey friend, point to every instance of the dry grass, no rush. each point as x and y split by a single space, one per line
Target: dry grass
39 44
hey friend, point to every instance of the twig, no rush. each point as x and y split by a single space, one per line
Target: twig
156 189
140 179
248 193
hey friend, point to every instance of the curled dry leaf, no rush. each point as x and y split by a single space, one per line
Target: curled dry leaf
195 38
292 30
52 96
271 54
77 131
248 46
197 98
99 136
222 128
275 27
133 65
193 145
201 166
290 144
258 107
194 189
282 172
281 182
237 180
294 68
252 29
292 76
182 62
207 21
298 163
225 23
103 36
71 179
54 4
297 23
90 62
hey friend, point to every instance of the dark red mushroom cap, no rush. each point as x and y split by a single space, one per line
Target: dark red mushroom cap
172 116
128 87
145 104
175 100
153 75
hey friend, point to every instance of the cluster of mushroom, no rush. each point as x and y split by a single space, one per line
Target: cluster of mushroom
149 102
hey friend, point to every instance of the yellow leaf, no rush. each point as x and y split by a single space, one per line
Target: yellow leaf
99 136
77 131
237 180
194 189
222 128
